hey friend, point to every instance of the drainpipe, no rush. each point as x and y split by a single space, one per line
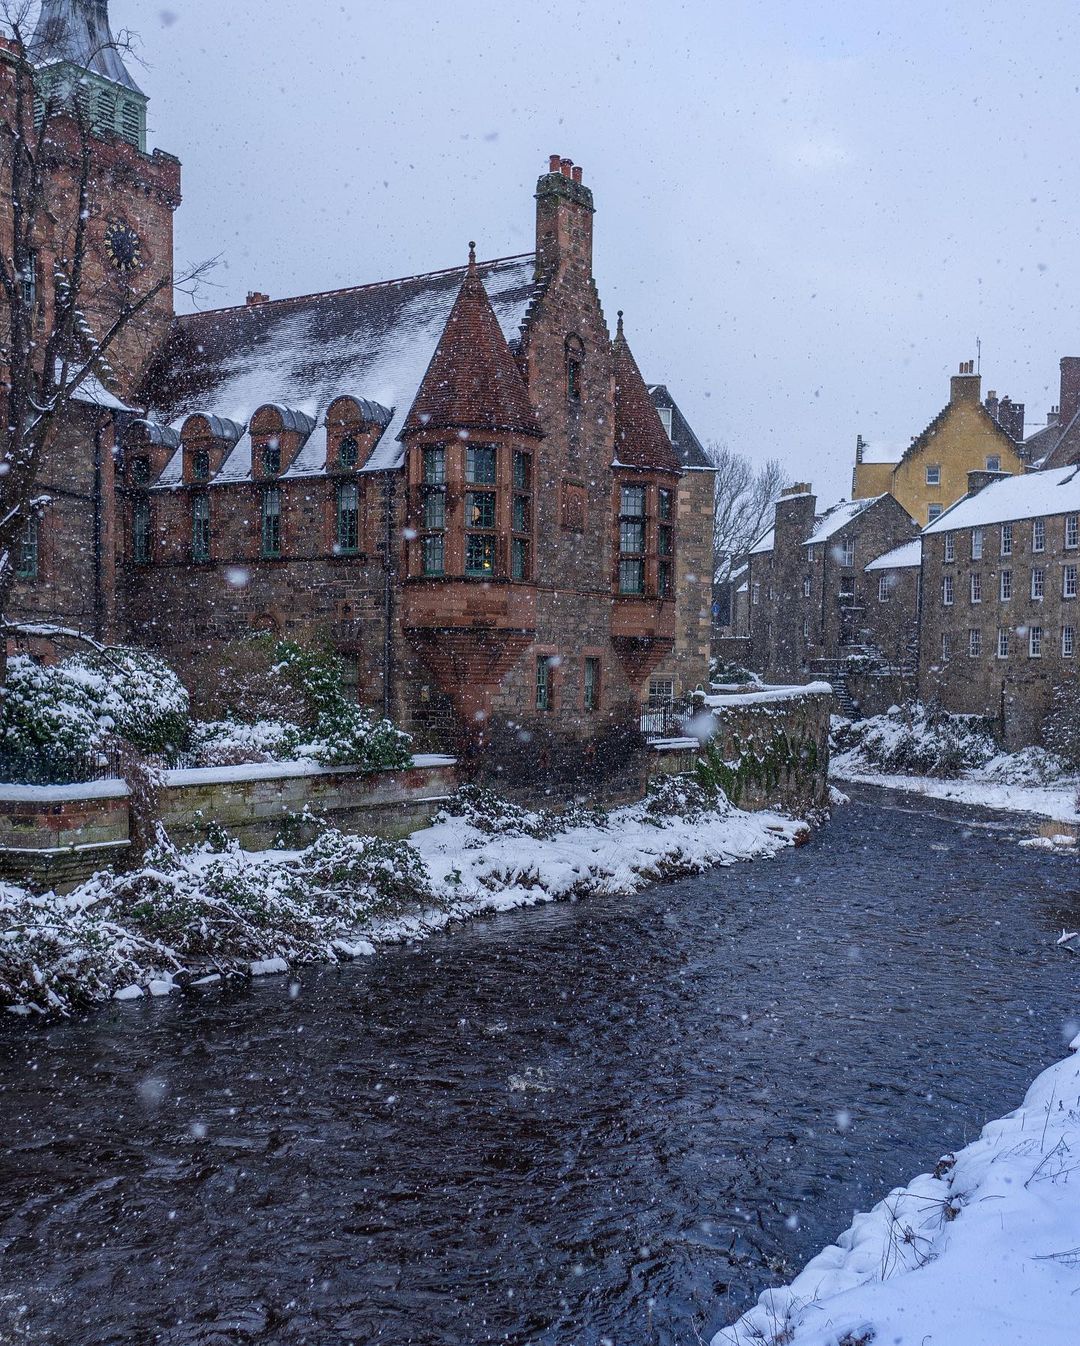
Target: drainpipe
389 578
99 597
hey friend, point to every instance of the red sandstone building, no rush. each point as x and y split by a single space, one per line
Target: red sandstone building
459 481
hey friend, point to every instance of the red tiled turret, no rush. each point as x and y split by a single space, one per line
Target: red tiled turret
640 438
472 382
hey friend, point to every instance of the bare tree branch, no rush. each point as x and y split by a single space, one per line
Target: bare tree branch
744 502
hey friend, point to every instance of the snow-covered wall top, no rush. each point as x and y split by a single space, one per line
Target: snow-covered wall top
765 695
374 342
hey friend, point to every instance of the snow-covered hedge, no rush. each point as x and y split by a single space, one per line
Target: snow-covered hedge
917 741
59 716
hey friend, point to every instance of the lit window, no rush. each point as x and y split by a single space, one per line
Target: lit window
480 465
1035 638
543 683
480 534
1038 535
976 588
348 452
884 588
26 566
200 527
140 532
348 517
947 591
974 644
1072 532
950 546
592 684
1068 641
1006 585
1003 642
479 557
1038 584
271 523
976 544
1006 539
933 475
1068 582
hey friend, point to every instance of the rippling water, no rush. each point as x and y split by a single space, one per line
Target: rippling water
613 1121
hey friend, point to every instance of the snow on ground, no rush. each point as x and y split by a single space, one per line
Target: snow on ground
985 1251
1058 803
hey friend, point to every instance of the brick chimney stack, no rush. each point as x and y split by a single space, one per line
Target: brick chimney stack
256 297
967 385
564 219
1070 389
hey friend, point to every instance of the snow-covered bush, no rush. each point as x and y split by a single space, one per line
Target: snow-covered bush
370 873
682 797
350 736
495 816
65 713
230 743
917 741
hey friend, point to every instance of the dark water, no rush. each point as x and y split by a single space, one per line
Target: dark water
615 1121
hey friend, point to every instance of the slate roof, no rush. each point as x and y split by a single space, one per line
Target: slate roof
838 516
688 447
371 341
640 437
78 31
472 382
1029 495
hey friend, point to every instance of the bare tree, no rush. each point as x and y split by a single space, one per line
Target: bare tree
49 348
745 496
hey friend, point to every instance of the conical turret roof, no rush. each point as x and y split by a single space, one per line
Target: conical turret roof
473 382
640 437
78 31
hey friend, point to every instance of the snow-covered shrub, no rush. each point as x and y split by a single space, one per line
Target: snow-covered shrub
350 736
917 741
682 797
490 813
230 743
66 712
370 874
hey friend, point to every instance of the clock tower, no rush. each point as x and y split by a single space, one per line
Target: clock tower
85 88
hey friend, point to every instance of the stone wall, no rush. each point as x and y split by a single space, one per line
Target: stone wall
59 835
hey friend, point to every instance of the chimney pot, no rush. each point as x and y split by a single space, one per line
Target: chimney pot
578 174
553 166
567 166
256 297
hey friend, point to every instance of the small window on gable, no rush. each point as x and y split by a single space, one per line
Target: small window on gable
934 512
933 475
665 419
575 364
993 463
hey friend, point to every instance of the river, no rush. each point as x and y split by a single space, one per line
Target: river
607 1122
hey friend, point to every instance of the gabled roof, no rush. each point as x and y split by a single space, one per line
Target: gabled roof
922 441
640 437
373 341
837 517
691 454
765 543
78 31
1031 495
472 382
908 556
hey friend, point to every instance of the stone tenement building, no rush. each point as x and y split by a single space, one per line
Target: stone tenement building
460 481
932 473
812 599
1001 579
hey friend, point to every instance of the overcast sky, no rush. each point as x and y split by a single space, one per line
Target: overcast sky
809 209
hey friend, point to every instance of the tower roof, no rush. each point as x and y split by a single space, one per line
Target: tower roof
78 32
640 437
472 382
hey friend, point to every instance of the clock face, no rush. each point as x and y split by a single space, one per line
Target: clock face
123 247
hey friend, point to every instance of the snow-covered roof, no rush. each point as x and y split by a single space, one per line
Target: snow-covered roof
906 557
881 452
830 523
1032 495
374 341
95 394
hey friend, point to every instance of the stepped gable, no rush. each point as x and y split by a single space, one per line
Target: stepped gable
372 341
640 438
473 382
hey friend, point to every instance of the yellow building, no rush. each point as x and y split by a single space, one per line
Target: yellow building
932 473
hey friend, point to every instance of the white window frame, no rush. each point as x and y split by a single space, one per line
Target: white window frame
974 643
1006 539
950 546
884 588
934 512
1005 585
1068 642
755 595
1068 582
1035 637
1038 535
946 645
948 591
933 475
807 587
847 553
976 544
993 464
1038 584
1072 532
1003 642
976 587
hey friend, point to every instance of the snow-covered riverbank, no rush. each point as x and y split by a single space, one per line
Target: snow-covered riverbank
980 788
984 1251
186 916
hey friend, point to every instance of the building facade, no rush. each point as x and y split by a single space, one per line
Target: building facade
967 435
460 481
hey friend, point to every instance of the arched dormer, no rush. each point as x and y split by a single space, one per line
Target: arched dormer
354 426
207 441
147 448
277 435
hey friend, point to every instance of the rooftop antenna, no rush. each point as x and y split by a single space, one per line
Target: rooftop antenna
978 348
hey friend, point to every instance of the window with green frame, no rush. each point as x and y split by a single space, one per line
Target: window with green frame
592 684
543 682
435 555
348 518
200 527
480 465
433 510
633 522
26 565
521 516
200 465
480 540
270 529
140 532
348 452
271 458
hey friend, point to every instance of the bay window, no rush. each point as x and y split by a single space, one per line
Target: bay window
633 520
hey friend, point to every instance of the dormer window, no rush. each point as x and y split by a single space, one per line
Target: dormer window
665 419
271 458
348 452
140 471
200 465
575 363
